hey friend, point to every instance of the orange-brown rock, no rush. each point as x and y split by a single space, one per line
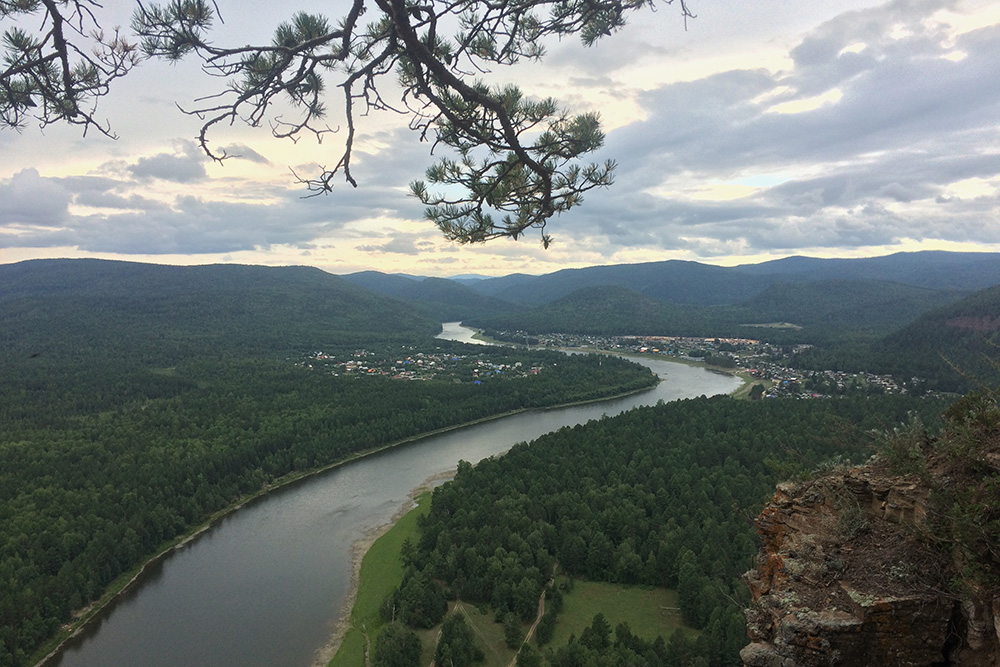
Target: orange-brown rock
849 574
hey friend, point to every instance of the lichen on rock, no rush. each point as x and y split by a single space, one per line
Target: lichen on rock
869 566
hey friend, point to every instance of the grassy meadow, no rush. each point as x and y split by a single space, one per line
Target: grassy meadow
381 573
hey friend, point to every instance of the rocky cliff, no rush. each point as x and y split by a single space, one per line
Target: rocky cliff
893 563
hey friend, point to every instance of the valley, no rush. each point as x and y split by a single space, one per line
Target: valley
513 333
142 403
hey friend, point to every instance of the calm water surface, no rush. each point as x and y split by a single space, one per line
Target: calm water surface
266 585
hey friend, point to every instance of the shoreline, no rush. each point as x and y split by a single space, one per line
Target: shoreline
359 550
87 614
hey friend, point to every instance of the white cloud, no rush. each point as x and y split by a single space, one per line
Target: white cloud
756 131
878 135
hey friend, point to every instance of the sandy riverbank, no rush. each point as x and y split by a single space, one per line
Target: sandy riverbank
125 582
358 550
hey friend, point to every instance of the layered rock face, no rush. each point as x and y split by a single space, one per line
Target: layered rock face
851 573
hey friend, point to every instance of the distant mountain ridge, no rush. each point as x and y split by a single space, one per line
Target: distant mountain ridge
441 298
692 283
236 307
673 280
695 283
601 310
112 308
935 269
820 311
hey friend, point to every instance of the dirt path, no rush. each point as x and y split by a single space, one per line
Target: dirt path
437 638
538 616
475 628
531 630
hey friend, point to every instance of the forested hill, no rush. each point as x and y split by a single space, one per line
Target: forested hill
137 401
695 283
935 269
837 309
820 312
603 310
958 343
446 300
674 280
69 308
656 496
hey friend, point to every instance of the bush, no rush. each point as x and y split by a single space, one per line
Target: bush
396 646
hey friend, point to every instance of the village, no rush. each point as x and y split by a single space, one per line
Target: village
758 361
417 366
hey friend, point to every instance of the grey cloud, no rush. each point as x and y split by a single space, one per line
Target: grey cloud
28 198
440 260
188 166
898 192
685 120
713 123
115 201
106 192
191 225
609 56
909 123
88 183
396 246
591 80
244 152
901 178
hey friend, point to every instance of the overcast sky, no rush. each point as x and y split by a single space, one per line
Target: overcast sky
762 130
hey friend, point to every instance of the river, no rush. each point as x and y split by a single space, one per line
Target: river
266 585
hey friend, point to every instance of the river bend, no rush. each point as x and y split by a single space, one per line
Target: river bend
266 585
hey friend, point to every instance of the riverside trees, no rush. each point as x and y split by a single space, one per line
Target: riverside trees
137 401
101 469
657 496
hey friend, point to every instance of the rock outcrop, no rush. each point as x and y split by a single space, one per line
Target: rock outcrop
852 572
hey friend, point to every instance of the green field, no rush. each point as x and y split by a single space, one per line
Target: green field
489 634
648 611
381 573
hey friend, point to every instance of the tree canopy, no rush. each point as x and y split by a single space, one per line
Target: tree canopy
657 496
514 163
